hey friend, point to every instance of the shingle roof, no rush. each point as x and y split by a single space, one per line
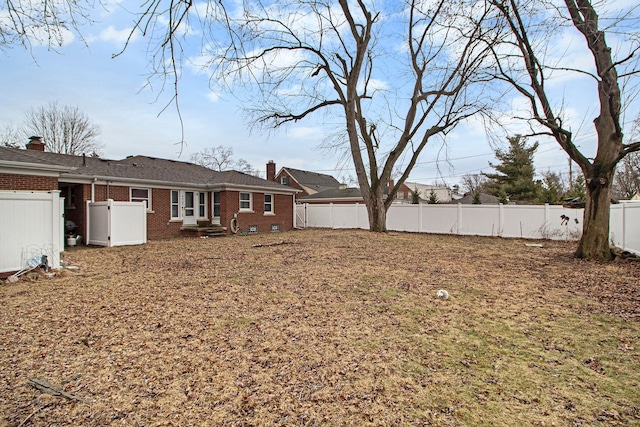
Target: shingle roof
139 168
485 199
334 193
314 180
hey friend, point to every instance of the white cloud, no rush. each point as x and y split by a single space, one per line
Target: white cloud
110 34
213 96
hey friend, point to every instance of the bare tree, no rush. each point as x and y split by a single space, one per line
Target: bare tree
392 79
63 129
26 23
526 63
627 179
474 183
220 158
10 137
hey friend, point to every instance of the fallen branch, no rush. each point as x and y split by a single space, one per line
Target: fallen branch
282 242
26 420
46 387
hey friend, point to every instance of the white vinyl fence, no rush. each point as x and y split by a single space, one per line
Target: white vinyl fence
624 226
515 221
113 223
30 226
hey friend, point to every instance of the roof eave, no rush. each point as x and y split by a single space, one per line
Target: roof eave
35 166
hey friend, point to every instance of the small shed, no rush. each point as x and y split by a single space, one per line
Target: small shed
113 223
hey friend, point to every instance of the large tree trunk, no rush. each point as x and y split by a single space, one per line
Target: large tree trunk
377 211
594 243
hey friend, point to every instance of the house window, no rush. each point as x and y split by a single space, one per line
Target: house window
216 204
275 227
284 180
141 195
268 204
202 205
253 229
175 204
246 202
70 199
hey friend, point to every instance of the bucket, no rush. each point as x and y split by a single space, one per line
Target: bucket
71 241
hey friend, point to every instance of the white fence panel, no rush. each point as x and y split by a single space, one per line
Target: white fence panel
479 220
318 216
128 223
625 226
116 223
98 223
522 221
563 223
529 222
30 225
440 219
403 218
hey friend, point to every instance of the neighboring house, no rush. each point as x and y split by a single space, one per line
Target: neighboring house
336 195
307 182
179 195
406 190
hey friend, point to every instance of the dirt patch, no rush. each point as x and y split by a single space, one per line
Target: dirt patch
324 328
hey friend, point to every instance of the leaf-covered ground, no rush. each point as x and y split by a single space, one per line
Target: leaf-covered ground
324 327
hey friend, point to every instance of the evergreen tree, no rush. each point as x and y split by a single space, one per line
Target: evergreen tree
476 199
549 188
433 198
514 177
578 189
415 196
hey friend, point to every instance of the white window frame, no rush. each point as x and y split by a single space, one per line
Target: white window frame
141 199
202 204
70 197
215 204
177 204
271 203
241 201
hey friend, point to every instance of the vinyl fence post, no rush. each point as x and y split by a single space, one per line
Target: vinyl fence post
500 219
420 212
88 221
357 210
546 225
624 229
459 222
109 202
331 215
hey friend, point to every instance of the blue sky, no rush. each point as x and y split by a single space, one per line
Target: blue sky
112 92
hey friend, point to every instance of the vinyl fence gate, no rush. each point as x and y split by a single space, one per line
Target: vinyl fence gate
113 223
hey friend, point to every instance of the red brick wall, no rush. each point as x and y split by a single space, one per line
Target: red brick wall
283 209
28 182
159 223
117 193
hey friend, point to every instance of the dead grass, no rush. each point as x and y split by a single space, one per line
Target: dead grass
333 328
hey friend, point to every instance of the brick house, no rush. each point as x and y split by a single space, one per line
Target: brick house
406 190
179 195
306 181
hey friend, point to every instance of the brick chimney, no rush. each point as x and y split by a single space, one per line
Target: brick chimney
271 171
35 143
